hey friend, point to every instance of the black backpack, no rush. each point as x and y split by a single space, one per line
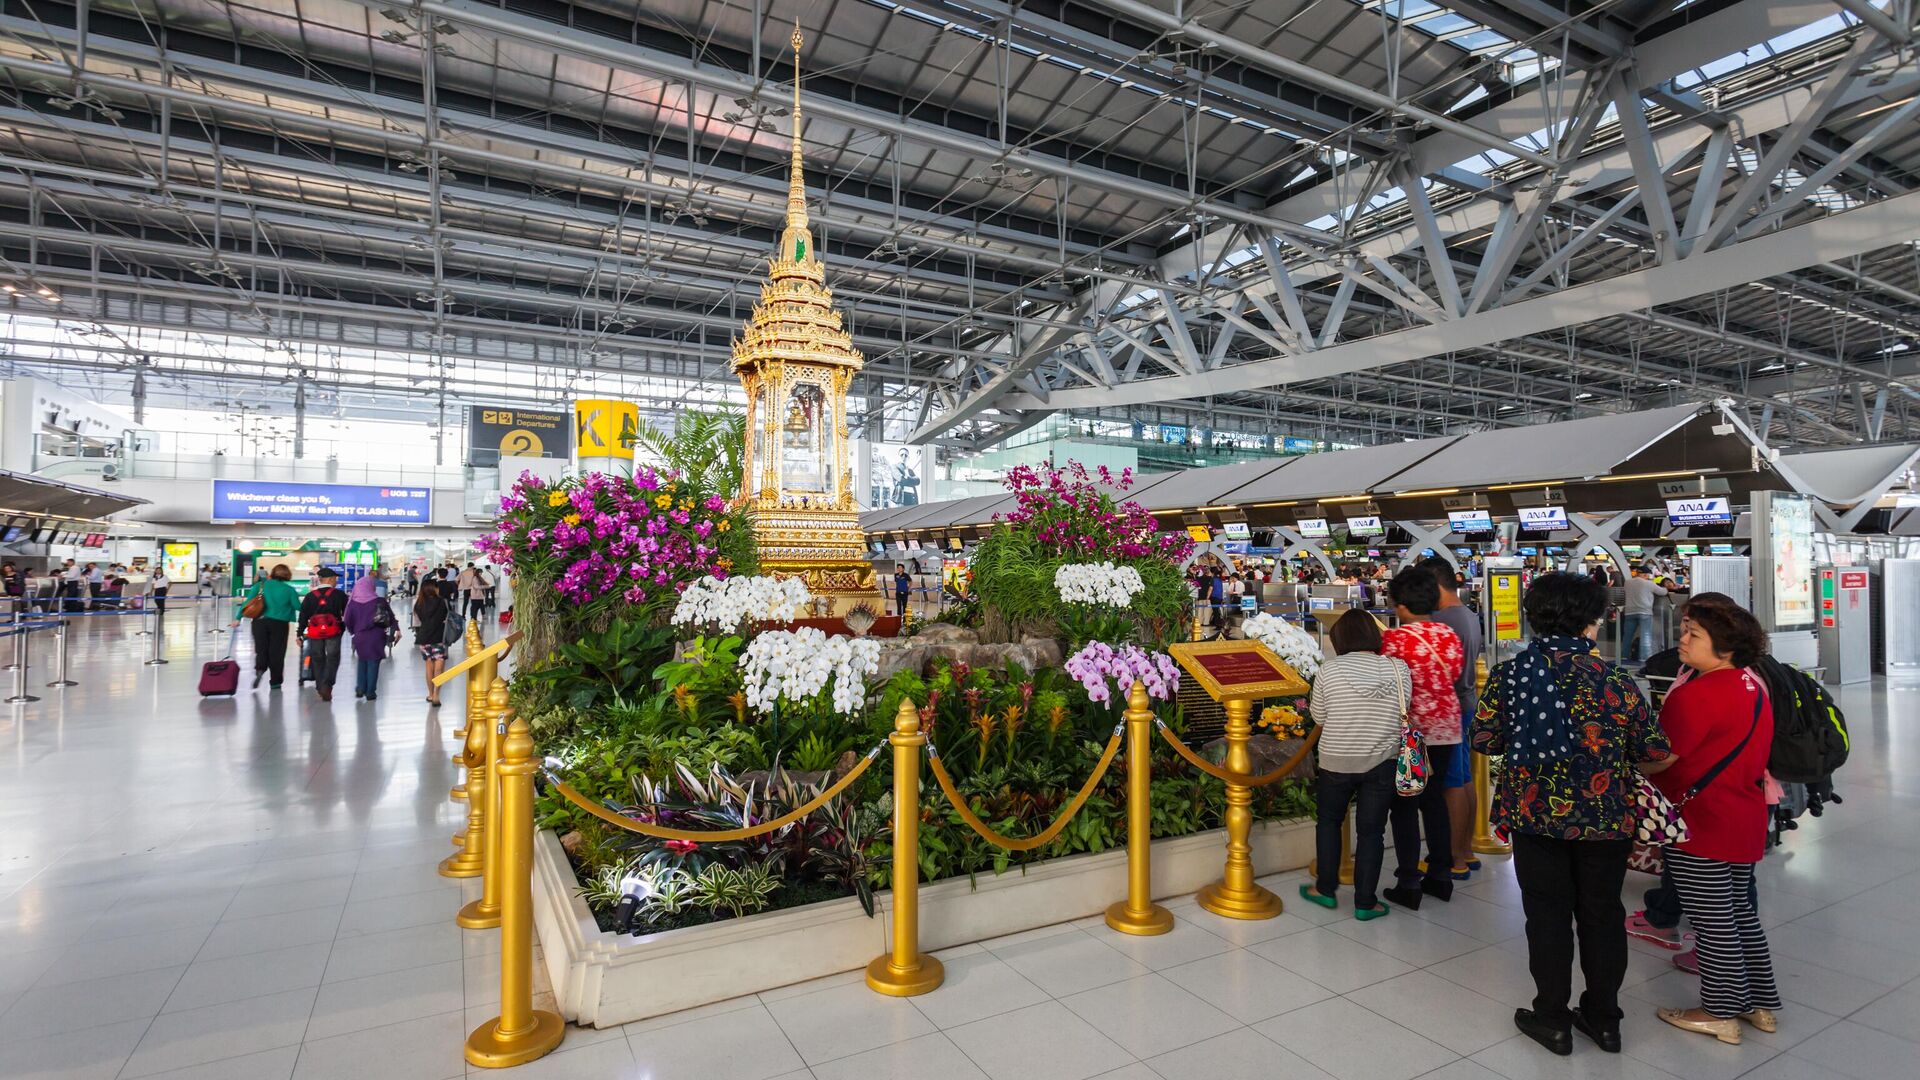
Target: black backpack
1809 731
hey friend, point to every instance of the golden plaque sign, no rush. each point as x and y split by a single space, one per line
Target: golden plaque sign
1238 670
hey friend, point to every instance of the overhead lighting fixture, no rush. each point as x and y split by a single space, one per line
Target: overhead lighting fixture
1428 491
1668 475
1347 499
1289 502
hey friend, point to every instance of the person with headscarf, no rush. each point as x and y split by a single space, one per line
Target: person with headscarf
369 621
1572 728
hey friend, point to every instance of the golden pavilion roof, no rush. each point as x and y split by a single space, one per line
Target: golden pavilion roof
795 320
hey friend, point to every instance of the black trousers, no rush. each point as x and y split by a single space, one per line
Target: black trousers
1430 806
326 660
1571 888
270 648
1373 790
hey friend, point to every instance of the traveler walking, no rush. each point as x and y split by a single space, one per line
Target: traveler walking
1432 652
371 623
1360 703
273 605
321 629
429 632
1721 727
1572 727
478 586
158 586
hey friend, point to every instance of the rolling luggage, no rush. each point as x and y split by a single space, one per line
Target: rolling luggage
221 677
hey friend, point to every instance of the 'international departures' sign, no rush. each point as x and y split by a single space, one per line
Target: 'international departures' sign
339 504
494 432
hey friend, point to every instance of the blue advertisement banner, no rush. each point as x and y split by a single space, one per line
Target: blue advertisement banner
339 504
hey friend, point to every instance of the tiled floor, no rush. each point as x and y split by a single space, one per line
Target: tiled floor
245 889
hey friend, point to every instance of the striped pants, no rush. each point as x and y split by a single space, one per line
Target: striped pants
1736 970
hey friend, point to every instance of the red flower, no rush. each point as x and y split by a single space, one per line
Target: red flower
682 847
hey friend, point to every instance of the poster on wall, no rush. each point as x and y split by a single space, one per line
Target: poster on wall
340 504
896 475
1786 558
494 432
181 561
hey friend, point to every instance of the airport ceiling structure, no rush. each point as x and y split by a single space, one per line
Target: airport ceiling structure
1361 220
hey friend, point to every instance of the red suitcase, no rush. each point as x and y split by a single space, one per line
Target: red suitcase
220 678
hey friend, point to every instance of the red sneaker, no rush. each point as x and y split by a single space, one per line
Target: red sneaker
1639 927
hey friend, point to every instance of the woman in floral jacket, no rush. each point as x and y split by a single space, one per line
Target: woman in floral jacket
1572 728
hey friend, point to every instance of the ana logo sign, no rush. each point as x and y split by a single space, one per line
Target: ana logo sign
1543 518
1710 510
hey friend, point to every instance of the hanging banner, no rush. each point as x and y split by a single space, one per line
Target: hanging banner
493 433
605 429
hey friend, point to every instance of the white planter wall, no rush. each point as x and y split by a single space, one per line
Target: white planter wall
604 979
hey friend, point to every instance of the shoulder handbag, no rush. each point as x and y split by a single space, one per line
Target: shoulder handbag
256 606
1658 820
1410 767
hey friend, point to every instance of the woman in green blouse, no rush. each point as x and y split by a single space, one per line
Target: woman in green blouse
282 607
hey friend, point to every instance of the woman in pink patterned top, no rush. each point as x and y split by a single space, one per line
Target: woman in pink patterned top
1432 651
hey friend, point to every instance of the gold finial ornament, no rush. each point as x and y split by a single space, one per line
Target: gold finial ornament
795 360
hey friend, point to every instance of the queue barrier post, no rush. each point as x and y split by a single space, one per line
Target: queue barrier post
1235 896
20 661
153 652
484 913
60 656
1138 914
906 971
521 1033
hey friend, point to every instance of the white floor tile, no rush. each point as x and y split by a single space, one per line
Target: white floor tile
123 956
609 1060
1064 964
1410 940
357 1004
1350 1042
409 1050
744 1043
1860 1052
394 950
210 982
266 1065
92 1053
1040 1042
1241 1054
71 1006
1334 961
1451 1015
978 985
198 1036
1149 1015
1247 986
266 933
1184 943
844 1020
929 1057
1520 1058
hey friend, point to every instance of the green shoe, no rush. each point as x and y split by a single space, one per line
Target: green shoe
1311 896
1377 911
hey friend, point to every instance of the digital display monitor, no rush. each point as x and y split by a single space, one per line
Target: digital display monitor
1687 549
1719 549
1314 528
1529 551
1373 553
1789 549
1235 530
343 504
1704 510
954 543
1368 525
877 547
1470 521
1200 534
1543 518
12 533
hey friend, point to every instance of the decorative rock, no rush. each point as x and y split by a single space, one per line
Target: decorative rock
1268 754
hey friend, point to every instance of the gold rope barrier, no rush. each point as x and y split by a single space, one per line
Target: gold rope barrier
622 821
1240 779
1052 831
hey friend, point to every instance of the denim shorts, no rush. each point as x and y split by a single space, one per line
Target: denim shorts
1459 768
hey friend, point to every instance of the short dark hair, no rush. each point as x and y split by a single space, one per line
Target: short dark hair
1443 575
1732 628
1356 631
1560 604
1415 590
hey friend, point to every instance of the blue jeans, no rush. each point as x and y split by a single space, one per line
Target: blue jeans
1373 790
1636 636
366 677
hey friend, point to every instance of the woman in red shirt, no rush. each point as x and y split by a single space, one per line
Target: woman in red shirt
1720 718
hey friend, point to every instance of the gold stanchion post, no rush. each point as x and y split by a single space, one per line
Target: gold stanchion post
484 913
521 1032
1235 896
1484 842
906 971
470 860
1138 914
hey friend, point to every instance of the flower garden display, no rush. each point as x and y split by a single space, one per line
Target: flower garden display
1098 662
1097 583
725 604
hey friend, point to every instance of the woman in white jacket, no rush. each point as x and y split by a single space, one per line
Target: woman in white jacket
1360 704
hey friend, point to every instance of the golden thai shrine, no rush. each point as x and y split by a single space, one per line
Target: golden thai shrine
795 362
